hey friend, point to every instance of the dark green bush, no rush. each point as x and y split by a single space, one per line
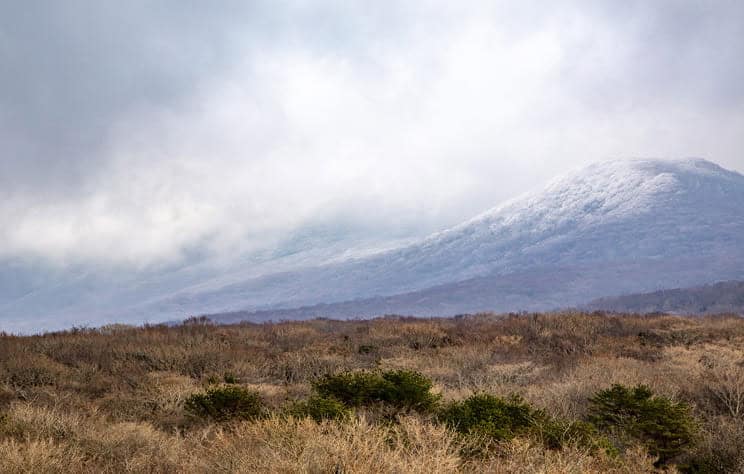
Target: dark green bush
350 388
665 427
319 409
402 389
489 415
408 389
555 434
225 403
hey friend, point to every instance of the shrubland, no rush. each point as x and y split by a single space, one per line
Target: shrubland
548 393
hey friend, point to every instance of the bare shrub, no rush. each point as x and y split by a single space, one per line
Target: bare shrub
721 448
38 456
723 382
523 456
276 445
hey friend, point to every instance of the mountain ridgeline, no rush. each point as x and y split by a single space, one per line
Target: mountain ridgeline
613 228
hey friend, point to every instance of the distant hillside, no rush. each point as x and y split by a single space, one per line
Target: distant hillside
724 297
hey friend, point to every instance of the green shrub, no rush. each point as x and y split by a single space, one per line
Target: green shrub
225 403
408 389
556 434
350 388
489 415
319 409
665 427
403 389
503 419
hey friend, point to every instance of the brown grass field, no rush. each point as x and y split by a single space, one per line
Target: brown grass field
111 400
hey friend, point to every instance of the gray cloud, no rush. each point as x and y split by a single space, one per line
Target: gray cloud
71 69
141 132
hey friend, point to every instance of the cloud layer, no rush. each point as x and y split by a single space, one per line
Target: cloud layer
139 133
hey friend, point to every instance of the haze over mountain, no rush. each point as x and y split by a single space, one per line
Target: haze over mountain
609 229
37 296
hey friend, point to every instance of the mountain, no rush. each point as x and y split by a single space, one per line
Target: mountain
612 228
36 296
719 298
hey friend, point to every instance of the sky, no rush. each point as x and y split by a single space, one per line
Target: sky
145 133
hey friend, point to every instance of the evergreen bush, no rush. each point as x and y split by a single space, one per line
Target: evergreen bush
225 403
489 415
319 409
402 389
665 427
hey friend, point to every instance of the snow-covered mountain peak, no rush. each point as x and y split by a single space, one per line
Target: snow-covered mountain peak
606 211
610 190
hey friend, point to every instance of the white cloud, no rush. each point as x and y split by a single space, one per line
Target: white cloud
412 124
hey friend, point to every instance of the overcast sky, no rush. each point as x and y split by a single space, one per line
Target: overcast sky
136 132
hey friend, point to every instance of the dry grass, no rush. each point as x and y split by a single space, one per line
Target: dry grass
111 400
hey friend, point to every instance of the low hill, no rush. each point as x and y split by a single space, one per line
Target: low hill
723 297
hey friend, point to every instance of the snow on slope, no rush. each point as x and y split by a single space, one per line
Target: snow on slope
609 214
611 228
607 211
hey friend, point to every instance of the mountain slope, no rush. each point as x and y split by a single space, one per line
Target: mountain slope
644 225
538 289
722 297
612 228
36 296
